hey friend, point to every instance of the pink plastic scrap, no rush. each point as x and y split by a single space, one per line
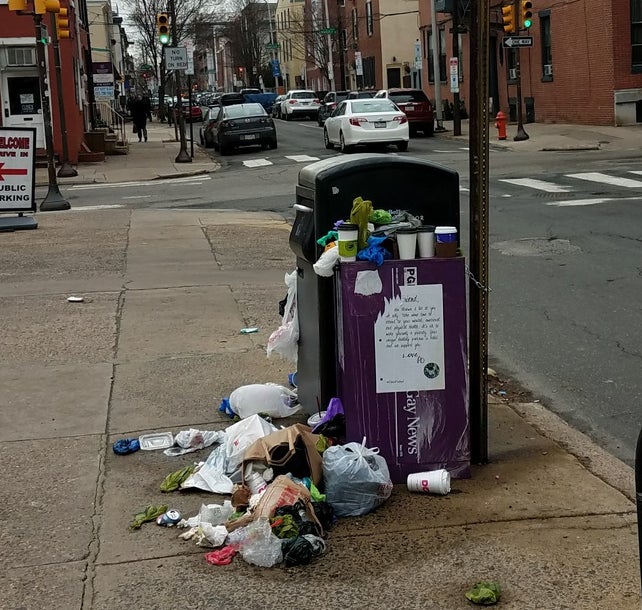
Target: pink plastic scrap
221 557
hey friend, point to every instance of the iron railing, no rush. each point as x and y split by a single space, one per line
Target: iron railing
106 116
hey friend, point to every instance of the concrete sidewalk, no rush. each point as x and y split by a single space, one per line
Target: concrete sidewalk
155 346
149 160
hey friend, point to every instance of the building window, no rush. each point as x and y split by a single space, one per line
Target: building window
547 49
355 25
21 56
636 35
369 77
341 3
344 39
369 20
442 57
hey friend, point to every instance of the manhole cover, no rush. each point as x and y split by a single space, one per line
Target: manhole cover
535 246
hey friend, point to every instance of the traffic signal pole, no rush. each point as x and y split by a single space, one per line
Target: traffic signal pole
183 156
521 132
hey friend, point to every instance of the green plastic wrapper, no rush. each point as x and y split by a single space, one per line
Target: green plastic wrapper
484 593
149 514
380 217
327 238
361 210
174 480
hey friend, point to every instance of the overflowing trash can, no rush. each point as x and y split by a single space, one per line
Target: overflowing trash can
388 338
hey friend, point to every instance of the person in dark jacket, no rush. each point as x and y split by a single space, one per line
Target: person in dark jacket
139 117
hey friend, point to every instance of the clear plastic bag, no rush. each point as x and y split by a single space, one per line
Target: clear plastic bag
285 339
356 478
258 545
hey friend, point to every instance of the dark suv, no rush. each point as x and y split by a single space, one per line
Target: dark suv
329 103
416 106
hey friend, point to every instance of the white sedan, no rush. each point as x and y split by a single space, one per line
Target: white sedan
369 121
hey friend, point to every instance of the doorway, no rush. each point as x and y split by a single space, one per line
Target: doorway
393 77
22 103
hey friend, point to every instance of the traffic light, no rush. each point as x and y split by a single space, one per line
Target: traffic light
527 14
162 27
41 7
17 5
62 24
508 17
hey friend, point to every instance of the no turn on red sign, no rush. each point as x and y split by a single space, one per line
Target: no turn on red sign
17 169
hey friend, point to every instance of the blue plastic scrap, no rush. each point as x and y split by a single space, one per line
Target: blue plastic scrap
125 446
374 251
226 408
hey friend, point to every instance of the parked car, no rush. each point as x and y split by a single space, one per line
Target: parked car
250 91
229 127
416 106
328 105
366 122
276 107
205 131
360 95
300 102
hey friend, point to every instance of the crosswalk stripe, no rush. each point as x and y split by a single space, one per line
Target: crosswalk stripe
257 162
595 201
636 171
540 185
301 158
606 179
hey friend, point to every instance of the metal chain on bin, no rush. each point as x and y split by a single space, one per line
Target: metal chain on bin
477 283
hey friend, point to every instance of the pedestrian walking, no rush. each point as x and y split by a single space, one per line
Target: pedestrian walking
139 118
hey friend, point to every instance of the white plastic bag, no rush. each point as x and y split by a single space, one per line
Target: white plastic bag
285 339
326 262
193 440
270 398
356 479
240 436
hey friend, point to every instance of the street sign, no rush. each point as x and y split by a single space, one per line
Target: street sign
275 46
511 42
176 58
189 45
17 169
454 75
358 63
328 31
276 68
418 60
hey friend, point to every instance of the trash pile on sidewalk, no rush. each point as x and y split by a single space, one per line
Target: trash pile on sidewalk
288 485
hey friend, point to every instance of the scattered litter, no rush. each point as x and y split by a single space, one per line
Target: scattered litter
265 398
175 479
193 440
157 440
169 518
75 299
149 514
285 339
249 331
485 593
125 446
491 372
292 379
300 550
434 482
222 557
206 534
258 545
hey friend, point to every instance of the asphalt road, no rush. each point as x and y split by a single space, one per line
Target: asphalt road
565 262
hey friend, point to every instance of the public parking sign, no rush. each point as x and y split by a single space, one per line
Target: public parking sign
17 169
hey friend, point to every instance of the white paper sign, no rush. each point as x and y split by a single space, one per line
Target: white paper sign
176 58
17 169
454 75
358 63
409 341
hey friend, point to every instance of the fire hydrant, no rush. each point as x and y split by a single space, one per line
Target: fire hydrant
500 123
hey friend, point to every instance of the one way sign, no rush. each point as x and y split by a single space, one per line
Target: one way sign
518 41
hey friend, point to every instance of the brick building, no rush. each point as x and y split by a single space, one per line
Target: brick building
585 65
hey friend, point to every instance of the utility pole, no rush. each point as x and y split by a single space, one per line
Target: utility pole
65 171
183 155
54 200
521 132
435 66
330 65
478 209
456 103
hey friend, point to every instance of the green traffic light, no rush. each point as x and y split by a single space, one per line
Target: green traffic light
528 23
164 38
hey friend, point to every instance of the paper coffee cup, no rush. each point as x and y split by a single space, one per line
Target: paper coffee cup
347 241
426 241
431 482
406 243
446 241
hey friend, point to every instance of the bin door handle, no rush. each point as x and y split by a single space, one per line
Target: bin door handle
302 208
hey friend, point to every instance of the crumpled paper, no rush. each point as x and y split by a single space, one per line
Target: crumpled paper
484 593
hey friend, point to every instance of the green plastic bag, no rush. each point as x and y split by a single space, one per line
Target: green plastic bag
361 210
149 514
174 479
484 593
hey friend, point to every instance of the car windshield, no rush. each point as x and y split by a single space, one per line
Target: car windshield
373 106
342 95
402 97
362 95
243 110
304 95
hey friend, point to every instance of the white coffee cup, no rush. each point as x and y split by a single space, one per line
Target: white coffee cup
426 241
433 482
347 241
406 243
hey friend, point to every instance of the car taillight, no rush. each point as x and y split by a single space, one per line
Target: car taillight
401 119
294 101
316 101
357 120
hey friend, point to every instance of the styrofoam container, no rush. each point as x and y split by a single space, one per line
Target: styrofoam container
156 440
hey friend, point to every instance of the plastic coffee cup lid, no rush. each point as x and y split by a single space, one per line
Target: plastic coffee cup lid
445 229
406 231
426 229
347 226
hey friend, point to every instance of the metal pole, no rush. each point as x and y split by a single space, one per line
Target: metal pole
521 133
330 66
638 494
54 200
183 155
191 122
65 171
456 103
435 66
478 281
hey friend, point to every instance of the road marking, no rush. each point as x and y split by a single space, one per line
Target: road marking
579 202
137 197
605 179
464 148
636 171
257 162
313 126
540 185
88 208
115 185
301 158
444 151
463 189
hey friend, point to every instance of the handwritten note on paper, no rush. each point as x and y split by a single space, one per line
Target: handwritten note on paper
409 341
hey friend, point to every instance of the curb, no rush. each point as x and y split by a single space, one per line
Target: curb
571 148
198 172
